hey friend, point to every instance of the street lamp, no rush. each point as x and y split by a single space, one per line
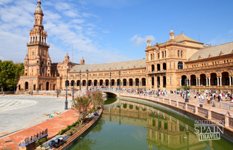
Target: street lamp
186 92
67 82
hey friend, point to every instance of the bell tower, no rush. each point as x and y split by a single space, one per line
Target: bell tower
37 61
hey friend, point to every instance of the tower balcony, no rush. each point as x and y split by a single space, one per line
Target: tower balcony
37 43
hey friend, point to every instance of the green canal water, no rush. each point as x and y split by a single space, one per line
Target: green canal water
132 126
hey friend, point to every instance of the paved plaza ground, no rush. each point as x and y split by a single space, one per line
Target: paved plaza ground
19 111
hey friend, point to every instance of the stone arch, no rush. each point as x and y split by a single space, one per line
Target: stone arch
213 79
130 82
101 82
78 82
183 80
124 82
89 83
47 86
72 83
26 85
118 82
225 78
106 82
143 81
67 83
95 83
193 80
84 82
112 82
136 82
203 79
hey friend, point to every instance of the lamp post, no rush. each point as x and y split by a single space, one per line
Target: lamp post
186 91
67 82
87 80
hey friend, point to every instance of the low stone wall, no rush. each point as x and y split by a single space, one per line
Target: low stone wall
195 112
80 132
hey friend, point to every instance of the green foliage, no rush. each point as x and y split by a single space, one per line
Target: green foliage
97 98
9 75
41 141
186 87
82 103
69 127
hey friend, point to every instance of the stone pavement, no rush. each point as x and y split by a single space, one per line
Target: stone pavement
53 125
19 112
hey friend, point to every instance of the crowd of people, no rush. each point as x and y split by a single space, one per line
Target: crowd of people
202 97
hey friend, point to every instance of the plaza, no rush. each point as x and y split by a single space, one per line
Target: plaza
19 112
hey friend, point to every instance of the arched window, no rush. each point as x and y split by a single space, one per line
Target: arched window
130 82
180 65
143 81
67 83
164 66
72 83
152 68
158 67
124 82
178 53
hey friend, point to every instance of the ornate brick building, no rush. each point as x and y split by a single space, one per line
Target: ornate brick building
177 62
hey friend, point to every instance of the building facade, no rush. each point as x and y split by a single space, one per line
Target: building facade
177 62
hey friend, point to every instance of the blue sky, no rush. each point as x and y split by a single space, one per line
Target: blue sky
111 30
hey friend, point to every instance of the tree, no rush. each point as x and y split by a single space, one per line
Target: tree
97 98
81 104
9 74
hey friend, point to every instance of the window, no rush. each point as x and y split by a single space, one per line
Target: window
180 65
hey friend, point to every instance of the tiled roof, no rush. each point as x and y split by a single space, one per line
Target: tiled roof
110 66
182 37
213 51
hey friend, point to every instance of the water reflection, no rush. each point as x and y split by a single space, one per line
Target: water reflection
128 125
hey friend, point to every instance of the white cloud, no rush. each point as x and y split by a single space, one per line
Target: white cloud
139 40
67 29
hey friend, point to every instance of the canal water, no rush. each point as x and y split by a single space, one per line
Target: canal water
127 125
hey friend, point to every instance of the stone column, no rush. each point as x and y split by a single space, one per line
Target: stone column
230 80
220 80
209 82
180 82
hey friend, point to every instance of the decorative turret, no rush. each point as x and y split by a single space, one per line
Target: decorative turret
82 61
67 58
38 14
148 42
172 35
